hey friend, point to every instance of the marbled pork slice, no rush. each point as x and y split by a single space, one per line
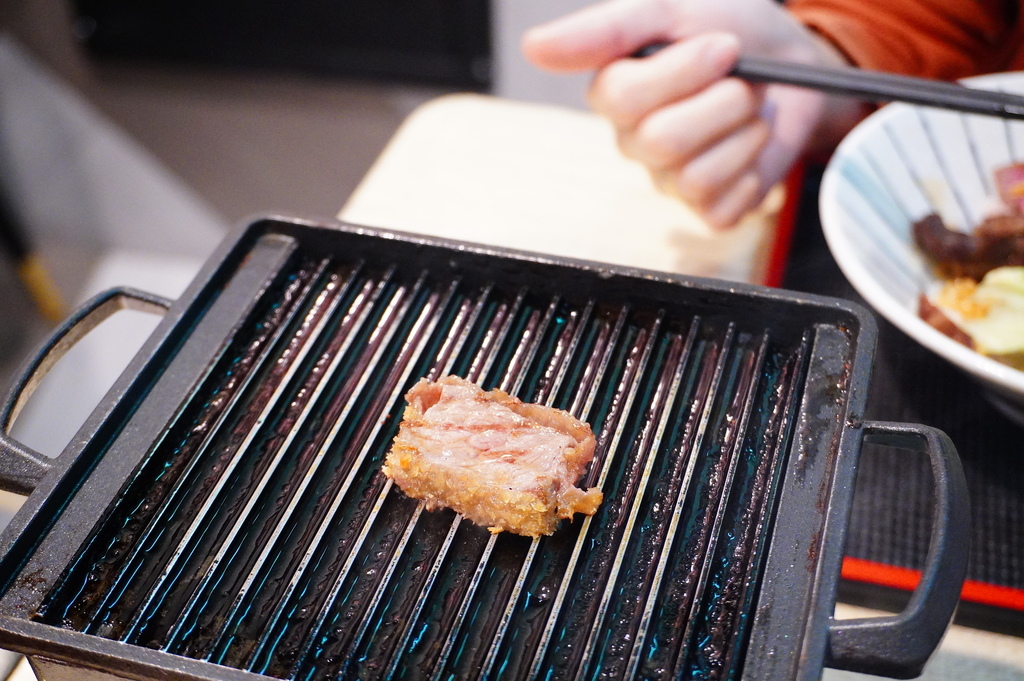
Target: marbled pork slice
500 462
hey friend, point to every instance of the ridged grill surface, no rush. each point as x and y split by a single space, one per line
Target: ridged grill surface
260 534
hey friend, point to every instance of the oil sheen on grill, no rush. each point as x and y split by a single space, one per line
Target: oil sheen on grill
260 534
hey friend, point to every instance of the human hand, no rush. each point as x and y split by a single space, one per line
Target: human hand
716 142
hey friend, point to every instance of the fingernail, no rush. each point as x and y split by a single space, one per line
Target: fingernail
721 48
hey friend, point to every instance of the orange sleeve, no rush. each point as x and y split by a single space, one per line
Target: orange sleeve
944 39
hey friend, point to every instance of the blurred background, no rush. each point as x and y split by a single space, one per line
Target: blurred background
133 135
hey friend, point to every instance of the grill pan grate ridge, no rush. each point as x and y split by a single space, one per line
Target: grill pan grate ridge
261 535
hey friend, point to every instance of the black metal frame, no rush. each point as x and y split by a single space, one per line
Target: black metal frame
793 634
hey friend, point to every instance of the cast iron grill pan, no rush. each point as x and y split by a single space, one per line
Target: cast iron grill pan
256 534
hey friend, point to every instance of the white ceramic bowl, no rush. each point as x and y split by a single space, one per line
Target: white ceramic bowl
895 167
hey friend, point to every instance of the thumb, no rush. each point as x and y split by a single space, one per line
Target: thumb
597 35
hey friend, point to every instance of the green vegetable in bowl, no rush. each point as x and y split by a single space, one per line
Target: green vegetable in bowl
989 312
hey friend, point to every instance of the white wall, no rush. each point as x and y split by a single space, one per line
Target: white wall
102 212
513 76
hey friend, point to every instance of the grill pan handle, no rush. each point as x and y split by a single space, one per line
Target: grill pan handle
21 468
900 645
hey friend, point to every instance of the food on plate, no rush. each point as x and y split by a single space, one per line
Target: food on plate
997 241
500 462
987 315
981 302
1010 184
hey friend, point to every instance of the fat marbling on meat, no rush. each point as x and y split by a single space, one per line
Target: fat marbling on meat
500 462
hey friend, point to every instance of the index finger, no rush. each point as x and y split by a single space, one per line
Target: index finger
597 35
627 90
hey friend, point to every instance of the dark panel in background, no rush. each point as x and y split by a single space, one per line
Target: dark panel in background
439 41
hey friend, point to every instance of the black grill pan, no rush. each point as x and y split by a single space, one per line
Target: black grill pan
222 514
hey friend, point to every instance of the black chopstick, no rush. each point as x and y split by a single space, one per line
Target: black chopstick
875 86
